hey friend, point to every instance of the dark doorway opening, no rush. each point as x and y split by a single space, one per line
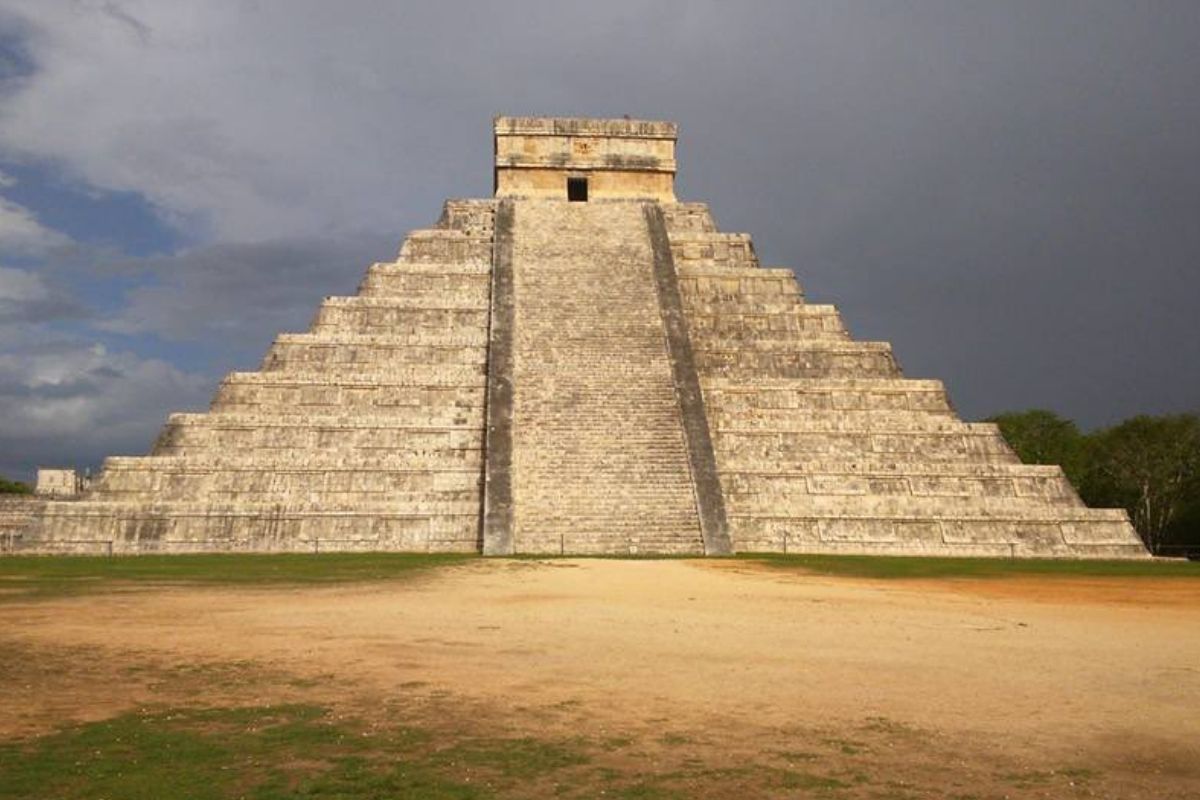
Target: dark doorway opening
577 190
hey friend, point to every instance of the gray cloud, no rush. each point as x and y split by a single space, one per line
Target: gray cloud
70 402
26 296
239 295
21 234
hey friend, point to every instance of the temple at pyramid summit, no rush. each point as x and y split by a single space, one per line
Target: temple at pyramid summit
580 364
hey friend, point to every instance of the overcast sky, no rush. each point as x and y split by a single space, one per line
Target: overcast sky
1009 192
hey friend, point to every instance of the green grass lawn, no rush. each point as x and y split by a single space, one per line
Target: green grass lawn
273 752
22 576
307 751
264 753
921 567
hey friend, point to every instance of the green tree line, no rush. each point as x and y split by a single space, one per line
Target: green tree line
1148 465
13 487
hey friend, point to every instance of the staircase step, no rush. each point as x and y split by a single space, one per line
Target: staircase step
373 353
787 420
809 359
737 449
1076 533
435 246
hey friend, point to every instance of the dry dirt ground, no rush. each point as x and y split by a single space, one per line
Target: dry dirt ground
1018 687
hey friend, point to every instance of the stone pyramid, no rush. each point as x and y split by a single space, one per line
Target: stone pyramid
581 364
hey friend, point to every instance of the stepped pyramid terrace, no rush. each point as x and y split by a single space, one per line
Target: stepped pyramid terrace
580 364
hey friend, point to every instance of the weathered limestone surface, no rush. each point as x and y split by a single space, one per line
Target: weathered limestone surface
622 159
18 512
364 433
534 375
702 461
600 463
823 446
58 482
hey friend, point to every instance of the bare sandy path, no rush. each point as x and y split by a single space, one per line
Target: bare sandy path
1034 668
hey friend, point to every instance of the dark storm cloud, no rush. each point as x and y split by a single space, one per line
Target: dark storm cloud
246 292
40 310
69 401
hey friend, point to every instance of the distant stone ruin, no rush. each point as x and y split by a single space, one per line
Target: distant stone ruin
59 483
580 364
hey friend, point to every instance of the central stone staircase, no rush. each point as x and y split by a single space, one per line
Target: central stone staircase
600 462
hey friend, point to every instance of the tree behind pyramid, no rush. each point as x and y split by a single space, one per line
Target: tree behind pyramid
580 364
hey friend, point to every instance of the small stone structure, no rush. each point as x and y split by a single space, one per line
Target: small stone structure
58 483
540 158
581 364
